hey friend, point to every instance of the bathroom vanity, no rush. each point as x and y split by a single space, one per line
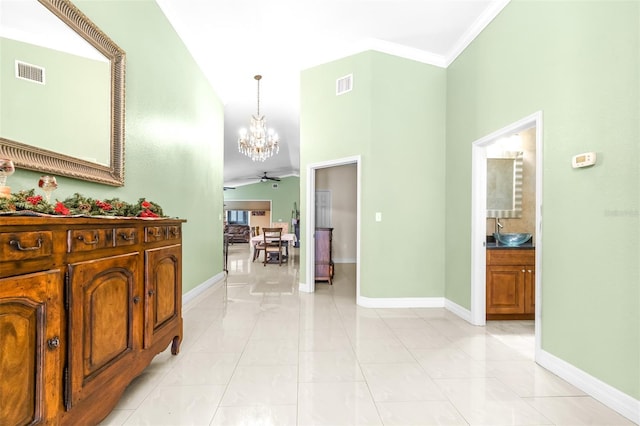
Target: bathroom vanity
510 282
85 305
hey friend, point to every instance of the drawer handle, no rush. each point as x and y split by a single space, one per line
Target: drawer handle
129 237
53 343
17 245
95 240
156 233
174 232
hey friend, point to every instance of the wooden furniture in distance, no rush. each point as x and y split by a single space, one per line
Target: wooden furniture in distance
85 305
272 245
510 283
323 255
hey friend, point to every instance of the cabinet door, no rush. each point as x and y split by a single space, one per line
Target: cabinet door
103 300
530 290
29 348
505 290
163 295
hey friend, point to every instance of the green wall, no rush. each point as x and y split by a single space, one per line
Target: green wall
578 63
173 136
282 198
393 118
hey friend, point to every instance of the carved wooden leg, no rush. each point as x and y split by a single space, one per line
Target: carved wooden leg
175 345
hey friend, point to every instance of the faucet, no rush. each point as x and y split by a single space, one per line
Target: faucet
498 225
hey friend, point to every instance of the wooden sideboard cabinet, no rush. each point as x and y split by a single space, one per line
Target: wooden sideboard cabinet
323 255
85 305
511 284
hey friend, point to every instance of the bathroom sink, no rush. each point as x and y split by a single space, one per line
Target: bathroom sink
512 239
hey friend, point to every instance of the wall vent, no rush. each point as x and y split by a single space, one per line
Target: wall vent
274 186
344 84
25 71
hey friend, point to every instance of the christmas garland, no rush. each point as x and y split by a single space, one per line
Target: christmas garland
78 205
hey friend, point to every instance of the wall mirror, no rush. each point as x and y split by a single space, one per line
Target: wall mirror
504 184
71 122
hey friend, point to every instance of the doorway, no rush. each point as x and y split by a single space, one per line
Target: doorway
479 219
311 193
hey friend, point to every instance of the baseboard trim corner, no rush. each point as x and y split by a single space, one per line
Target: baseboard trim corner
460 311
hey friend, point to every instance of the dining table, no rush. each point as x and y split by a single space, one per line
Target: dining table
285 238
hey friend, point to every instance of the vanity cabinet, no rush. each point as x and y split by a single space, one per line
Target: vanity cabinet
510 291
88 303
323 254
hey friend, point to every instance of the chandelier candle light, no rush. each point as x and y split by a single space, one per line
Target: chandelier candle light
258 143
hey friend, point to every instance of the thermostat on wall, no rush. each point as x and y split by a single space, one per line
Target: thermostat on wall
583 160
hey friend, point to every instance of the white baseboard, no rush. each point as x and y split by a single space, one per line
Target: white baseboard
608 395
305 288
189 297
463 313
401 302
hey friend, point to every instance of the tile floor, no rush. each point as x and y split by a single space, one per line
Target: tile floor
257 352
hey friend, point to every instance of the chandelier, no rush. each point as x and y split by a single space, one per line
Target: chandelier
258 143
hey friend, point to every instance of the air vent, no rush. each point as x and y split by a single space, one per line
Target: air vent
29 72
344 84
274 186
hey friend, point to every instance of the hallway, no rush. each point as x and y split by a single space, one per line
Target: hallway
258 352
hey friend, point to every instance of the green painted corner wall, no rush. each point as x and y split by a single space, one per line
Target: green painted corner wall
578 63
282 199
173 135
393 119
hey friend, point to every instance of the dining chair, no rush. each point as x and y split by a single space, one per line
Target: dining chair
272 241
257 246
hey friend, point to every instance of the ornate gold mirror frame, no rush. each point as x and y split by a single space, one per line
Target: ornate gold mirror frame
39 159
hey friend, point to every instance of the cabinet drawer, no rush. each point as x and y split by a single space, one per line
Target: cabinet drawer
25 245
511 257
89 239
154 233
173 233
126 237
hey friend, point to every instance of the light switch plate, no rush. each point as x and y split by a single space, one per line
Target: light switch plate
378 217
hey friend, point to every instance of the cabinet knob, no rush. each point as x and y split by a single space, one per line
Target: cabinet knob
524 270
529 271
136 299
151 293
53 343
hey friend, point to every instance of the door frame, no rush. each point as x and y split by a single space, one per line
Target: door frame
479 220
310 285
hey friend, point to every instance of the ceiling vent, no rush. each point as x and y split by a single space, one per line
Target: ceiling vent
29 72
344 84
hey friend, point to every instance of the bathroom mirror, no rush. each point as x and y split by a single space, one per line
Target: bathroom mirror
54 127
504 185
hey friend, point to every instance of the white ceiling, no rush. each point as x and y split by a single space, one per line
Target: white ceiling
233 40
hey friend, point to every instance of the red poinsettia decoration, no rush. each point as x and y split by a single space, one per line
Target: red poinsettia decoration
34 199
147 213
61 209
103 205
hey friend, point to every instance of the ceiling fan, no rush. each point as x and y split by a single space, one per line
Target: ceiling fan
265 178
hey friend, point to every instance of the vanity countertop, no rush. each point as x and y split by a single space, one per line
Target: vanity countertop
492 244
